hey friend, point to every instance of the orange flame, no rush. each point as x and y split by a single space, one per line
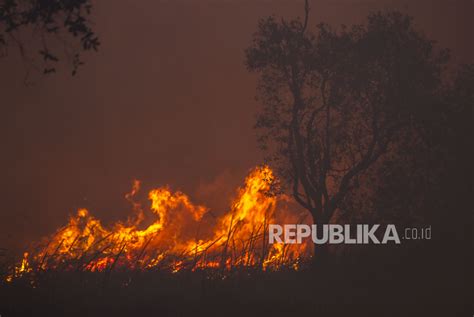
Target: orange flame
182 235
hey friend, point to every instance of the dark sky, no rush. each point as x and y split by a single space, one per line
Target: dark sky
166 100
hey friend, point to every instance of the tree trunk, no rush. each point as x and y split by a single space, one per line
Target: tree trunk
321 255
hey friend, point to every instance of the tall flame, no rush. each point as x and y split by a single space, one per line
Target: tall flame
182 235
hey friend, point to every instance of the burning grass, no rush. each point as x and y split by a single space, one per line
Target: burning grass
173 235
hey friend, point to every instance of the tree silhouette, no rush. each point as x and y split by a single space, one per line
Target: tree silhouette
47 20
336 102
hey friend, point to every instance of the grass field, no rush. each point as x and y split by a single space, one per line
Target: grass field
394 282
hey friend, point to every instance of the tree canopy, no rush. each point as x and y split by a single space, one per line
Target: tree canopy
336 102
48 23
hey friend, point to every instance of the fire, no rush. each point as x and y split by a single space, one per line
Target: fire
182 235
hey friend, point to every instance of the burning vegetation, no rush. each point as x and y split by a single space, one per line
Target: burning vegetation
179 235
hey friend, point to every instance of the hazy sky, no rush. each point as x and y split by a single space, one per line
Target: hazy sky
166 100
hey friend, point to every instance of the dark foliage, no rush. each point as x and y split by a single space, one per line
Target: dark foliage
358 119
47 20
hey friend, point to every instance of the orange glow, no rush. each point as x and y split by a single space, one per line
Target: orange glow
181 235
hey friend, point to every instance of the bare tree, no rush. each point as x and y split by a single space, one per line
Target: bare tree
335 101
